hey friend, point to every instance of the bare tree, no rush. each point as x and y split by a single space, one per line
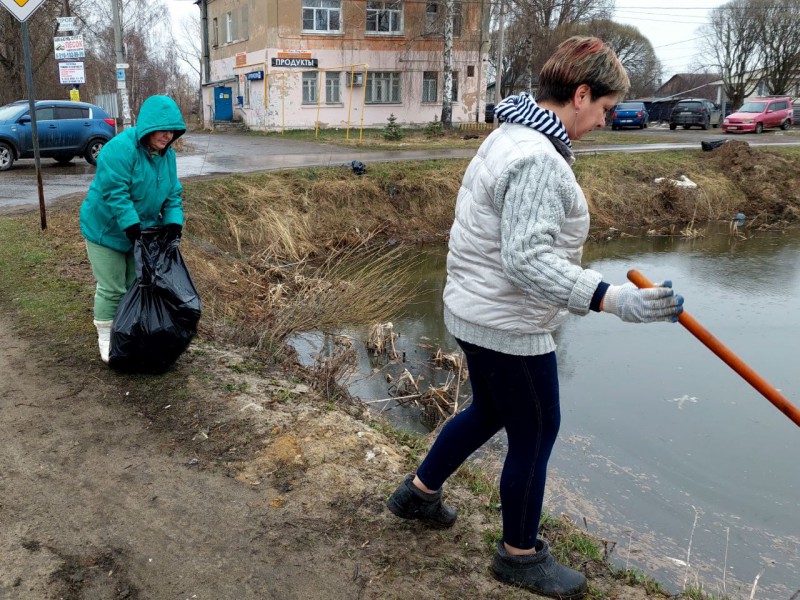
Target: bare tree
534 30
733 38
187 46
634 51
779 25
42 26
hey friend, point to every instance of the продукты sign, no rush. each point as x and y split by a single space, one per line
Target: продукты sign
295 62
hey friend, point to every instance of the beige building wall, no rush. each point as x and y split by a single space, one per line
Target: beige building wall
261 32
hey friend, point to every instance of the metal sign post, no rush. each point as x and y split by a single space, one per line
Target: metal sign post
22 10
34 129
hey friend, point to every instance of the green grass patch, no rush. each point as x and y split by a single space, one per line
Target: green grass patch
41 282
372 138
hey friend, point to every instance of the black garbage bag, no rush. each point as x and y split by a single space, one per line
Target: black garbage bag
711 145
157 318
359 168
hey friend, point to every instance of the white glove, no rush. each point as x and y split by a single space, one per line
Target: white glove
634 305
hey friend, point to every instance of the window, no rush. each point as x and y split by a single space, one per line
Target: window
431 18
383 87
454 96
45 114
246 94
215 34
71 112
322 15
470 70
230 28
430 81
384 17
434 19
310 82
333 87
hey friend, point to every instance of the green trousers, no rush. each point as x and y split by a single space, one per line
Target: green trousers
115 272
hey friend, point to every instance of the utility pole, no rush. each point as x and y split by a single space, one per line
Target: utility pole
122 86
26 43
498 75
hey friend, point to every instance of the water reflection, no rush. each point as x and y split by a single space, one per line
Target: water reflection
656 430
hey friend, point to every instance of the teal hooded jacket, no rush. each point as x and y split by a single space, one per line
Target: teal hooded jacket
132 184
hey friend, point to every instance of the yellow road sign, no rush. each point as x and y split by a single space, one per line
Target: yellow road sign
21 9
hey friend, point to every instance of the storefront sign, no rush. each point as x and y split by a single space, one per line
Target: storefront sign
295 62
241 59
71 72
255 75
294 54
69 46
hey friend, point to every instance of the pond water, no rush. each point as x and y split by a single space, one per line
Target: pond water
663 449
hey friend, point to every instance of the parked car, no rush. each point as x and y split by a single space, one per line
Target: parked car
66 129
629 114
488 115
695 111
761 113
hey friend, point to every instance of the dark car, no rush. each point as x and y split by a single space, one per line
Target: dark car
66 129
629 114
695 111
488 115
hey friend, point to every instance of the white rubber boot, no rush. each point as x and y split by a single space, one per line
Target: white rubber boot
103 338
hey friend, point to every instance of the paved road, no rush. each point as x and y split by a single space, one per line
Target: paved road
214 154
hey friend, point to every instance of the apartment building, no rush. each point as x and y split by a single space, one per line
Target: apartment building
280 64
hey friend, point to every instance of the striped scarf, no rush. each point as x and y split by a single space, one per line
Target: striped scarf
522 109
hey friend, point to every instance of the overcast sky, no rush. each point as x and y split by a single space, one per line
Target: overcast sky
670 25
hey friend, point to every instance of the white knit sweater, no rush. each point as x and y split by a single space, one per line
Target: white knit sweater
513 266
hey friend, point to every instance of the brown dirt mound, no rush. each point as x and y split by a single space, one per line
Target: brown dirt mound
769 182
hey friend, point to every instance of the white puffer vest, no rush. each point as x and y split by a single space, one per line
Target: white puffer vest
477 292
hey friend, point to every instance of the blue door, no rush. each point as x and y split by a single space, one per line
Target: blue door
223 104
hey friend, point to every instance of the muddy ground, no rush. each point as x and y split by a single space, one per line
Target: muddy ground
215 481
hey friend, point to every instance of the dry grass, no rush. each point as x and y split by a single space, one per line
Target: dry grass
286 251
291 215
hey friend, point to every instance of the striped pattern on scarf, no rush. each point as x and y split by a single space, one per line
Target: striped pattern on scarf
522 109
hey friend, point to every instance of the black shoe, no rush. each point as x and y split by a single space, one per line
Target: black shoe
410 502
539 573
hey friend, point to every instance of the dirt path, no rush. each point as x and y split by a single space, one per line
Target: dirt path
94 505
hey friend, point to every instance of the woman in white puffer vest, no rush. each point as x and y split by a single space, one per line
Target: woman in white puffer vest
513 273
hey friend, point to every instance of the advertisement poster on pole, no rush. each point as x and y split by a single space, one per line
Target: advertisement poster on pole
67 24
69 46
71 73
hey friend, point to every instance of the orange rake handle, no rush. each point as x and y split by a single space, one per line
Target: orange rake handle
733 361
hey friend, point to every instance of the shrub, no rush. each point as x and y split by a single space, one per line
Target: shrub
434 128
392 130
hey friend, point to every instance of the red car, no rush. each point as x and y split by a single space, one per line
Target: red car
758 114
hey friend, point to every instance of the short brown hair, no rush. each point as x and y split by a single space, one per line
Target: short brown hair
580 60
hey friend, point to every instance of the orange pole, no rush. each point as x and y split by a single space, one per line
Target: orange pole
723 352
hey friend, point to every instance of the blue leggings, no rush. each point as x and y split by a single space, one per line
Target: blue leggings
520 394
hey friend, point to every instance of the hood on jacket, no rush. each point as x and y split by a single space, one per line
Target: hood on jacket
159 113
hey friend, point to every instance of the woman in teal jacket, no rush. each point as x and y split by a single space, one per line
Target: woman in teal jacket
135 186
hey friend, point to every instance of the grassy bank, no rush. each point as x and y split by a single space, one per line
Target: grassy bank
471 136
307 249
